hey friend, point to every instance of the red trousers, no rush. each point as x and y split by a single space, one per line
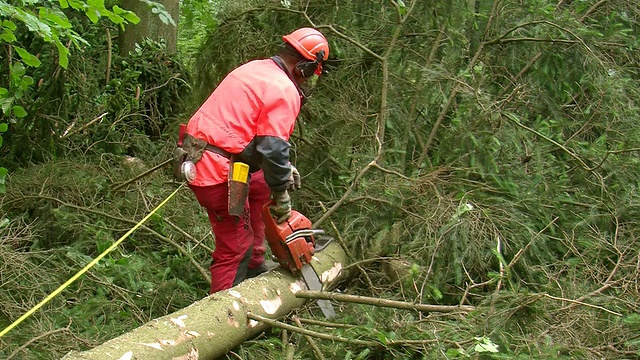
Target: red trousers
239 241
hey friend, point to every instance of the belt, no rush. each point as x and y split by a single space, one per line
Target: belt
219 151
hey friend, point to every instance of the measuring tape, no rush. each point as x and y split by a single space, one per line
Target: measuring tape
86 268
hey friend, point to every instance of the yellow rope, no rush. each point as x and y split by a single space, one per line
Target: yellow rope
86 268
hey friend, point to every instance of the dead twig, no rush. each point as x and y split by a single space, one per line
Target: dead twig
582 303
436 125
515 120
345 196
592 9
318 335
187 235
68 131
31 341
382 302
174 76
325 323
312 343
121 185
517 256
201 270
346 249
107 74
609 281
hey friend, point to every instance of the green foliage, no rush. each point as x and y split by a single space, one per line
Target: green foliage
158 8
48 239
515 131
478 157
143 96
197 19
48 21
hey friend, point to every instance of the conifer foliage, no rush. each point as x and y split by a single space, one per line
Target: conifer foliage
480 152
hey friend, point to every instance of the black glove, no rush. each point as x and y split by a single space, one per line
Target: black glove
281 206
294 179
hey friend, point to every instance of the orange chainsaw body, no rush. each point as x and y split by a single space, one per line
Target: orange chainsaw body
292 242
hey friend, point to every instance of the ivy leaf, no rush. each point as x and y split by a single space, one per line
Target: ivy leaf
19 111
64 4
165 19
4 127
157 8
27 57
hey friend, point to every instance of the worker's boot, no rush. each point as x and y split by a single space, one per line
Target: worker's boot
262 268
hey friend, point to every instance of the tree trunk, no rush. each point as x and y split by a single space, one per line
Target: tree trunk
150 25
211 327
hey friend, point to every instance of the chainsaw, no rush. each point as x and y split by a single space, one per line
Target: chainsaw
293 243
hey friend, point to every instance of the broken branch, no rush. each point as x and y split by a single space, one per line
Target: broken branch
382 302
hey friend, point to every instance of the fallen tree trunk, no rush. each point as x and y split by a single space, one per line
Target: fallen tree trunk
209 328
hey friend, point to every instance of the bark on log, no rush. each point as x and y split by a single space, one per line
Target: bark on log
210 327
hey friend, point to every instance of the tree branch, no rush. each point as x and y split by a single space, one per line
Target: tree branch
310 340
582 303
560 146
382 302
319 335
121 185
530 39
31 341
200 269
592 9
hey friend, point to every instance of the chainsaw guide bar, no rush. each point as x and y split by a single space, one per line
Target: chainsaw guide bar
293 243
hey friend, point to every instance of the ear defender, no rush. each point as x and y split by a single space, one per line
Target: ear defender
306 68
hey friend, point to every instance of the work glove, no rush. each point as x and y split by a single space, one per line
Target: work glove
294 179
280 207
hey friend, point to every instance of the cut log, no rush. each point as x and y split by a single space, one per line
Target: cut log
210 327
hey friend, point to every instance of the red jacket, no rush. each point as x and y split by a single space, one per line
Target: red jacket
251 113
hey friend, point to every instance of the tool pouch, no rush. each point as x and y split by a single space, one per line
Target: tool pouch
187 153
238 187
